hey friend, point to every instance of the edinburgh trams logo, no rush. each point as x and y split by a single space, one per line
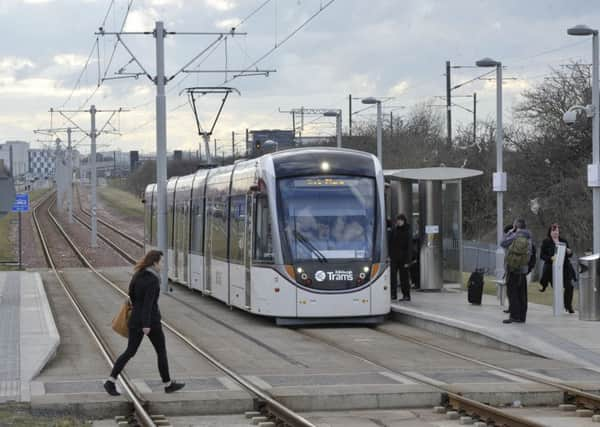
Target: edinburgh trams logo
320 276
337 275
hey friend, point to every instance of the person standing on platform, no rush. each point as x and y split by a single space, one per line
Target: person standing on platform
400 255
518 244
547 254
144 290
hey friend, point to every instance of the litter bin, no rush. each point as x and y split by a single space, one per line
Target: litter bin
589 287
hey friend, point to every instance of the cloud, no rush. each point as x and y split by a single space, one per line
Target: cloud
228 23
40 87
220 5
37 1
10 64
399 88
141 20
70 59
177 3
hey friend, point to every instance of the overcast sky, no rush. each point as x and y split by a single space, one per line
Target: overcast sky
384 48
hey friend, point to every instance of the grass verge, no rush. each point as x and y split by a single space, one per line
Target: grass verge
121 201
20 417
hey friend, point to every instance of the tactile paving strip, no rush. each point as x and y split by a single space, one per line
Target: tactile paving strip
191 384
328 380
466 377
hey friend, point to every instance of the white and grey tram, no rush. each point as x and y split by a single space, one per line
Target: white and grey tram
298 235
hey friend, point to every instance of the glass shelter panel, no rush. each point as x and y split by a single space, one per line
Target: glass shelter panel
452 232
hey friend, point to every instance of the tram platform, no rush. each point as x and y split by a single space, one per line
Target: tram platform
28 335
562 338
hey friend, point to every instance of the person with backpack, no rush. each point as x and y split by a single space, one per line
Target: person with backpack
547 254
519 248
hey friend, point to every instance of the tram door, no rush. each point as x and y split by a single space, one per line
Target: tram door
183 242
249 238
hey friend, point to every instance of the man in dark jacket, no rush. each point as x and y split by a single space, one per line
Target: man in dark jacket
516 277
400 252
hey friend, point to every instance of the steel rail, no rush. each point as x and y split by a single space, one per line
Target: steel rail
141 414
107 225
482 410
269 404
108 241
582 397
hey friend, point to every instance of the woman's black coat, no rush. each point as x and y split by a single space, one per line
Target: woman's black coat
144 290
547 251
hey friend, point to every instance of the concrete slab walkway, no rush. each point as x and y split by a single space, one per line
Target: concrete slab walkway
564 338
28 335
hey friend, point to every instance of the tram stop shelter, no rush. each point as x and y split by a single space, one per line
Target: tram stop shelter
431 198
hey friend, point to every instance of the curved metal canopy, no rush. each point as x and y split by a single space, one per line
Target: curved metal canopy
431 174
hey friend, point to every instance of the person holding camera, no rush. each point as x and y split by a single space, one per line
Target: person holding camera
548 255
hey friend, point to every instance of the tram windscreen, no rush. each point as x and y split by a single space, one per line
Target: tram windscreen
330 217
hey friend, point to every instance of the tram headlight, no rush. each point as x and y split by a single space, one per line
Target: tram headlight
362 276
325 166
304 276
299 270
366 269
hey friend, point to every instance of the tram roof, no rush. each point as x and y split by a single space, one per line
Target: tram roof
431 174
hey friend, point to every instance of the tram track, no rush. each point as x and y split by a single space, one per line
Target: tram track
264 402
138 243
139 405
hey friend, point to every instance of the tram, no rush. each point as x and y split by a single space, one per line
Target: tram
298 235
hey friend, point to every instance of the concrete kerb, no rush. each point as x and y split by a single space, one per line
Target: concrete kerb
464 331
39 341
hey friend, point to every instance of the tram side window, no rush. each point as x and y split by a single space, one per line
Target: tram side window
198 227
218 228
170 218
263 240
238 229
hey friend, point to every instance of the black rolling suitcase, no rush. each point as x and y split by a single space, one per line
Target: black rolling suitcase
475 287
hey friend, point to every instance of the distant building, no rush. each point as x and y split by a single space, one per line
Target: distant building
256 139
19 164
41 163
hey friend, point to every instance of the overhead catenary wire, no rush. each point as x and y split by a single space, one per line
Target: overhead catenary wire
257 61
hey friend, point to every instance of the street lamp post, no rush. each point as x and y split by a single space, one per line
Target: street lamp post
338 125
369 101
499 180
594 168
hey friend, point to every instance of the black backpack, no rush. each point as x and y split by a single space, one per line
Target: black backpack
476 278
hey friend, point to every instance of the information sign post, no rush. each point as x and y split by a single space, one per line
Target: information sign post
21 204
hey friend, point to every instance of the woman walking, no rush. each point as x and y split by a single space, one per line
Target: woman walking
144 290
547 254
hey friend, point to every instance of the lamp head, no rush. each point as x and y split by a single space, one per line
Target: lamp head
331 113
581 30
370 100
487 62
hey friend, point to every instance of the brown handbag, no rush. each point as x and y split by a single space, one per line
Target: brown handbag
119 322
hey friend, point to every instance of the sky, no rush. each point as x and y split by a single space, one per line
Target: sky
392 49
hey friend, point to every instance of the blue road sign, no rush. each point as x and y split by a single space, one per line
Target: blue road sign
21 203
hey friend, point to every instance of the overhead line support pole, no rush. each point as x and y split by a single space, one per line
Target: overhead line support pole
94 225
448 105
161 151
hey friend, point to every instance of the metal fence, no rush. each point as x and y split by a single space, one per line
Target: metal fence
479 255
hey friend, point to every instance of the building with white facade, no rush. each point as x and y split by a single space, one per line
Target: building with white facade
41 163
